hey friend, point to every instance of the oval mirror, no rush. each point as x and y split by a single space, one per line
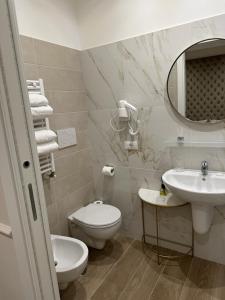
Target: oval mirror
196 82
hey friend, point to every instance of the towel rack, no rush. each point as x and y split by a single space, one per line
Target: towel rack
47 163
5 230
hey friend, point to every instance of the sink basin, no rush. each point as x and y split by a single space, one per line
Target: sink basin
203 192
192 186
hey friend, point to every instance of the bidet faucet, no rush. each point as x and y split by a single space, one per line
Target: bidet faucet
204 167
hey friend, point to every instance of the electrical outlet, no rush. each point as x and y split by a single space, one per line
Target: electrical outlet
131 145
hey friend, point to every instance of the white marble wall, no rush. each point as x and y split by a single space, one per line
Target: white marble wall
137 69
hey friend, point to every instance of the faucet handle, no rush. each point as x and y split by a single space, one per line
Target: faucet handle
204 165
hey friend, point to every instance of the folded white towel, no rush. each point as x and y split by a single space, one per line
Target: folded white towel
47 148
44 136
41 111
37 100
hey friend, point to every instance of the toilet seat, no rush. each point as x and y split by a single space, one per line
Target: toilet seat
97 216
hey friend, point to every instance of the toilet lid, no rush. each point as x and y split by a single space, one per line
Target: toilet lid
97 215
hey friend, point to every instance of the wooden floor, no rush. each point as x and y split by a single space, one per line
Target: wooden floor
122 271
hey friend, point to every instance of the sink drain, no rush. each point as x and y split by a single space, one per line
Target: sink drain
56 263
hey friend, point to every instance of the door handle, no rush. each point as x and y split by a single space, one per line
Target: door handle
32 202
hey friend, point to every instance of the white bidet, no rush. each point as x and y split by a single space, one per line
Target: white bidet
70 256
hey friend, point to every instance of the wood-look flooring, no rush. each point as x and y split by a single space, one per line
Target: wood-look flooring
123 271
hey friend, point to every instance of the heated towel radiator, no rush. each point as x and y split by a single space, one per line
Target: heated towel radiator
47 164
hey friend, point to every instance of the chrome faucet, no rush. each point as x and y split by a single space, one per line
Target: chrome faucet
204 167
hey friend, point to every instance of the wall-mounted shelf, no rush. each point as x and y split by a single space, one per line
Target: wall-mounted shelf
216 144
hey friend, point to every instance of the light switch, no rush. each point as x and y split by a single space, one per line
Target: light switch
66 137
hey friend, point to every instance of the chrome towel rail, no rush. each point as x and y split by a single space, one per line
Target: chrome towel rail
47 163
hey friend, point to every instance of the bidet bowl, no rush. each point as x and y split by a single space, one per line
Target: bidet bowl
70 256
203 192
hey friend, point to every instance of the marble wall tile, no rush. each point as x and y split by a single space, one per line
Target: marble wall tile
72 59
82 144
76 199
53 217
61 79
103 67
28 48
67 101
53 55
30 71
72 163
48 188
49 54
136 69
79 120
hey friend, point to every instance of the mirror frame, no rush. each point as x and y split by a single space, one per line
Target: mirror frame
202 126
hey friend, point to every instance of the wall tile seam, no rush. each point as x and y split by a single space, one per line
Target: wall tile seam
86 149
77 92
71 175
64 156
50 43
30 64
137 106
74 173
62 90
65 199
55 67
55 111
85 112
73 152
82 90
59 68
33 39
90 183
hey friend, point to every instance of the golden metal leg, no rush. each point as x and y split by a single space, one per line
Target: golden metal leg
143 222
157 246
157 234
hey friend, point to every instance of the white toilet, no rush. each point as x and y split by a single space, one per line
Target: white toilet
70 256
95 223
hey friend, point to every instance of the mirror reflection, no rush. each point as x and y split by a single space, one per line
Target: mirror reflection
196 82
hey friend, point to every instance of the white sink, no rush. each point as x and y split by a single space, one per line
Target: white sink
203 192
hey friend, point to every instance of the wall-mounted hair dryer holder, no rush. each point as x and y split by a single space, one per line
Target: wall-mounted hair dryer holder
124 108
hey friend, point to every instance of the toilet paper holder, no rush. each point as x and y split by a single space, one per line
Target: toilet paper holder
108 170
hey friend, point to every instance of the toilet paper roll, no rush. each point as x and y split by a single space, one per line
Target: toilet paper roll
108 171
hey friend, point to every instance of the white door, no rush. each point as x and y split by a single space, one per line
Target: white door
21 192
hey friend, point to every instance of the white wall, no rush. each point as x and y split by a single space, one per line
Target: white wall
49 20
83 24
105 21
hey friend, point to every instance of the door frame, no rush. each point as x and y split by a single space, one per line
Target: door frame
31 237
